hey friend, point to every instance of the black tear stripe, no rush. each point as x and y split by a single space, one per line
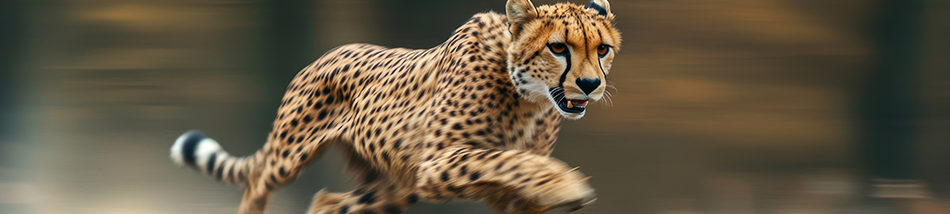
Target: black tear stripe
600 10
567 55
600 64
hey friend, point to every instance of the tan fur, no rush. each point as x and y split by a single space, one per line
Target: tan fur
468 119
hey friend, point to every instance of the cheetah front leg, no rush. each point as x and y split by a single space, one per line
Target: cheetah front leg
376 196
511 181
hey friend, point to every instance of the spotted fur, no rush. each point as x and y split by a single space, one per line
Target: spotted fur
473 118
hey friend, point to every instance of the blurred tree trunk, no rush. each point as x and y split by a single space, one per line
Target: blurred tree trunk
288 39
11 39
889 102
11 57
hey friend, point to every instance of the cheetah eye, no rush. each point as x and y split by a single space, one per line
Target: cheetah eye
557 48
602 50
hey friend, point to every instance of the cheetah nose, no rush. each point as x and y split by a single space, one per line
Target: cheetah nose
587 85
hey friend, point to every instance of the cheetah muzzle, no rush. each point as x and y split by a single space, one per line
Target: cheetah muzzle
576 106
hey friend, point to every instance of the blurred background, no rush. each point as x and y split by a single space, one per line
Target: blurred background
721 106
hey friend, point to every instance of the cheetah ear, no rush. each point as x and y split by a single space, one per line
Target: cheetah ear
519 12
601 6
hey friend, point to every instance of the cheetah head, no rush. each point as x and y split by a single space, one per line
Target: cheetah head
561 53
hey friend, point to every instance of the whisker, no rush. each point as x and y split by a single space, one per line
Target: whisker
610 100
608 95
612 86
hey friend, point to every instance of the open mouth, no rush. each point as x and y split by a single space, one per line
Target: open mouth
567 105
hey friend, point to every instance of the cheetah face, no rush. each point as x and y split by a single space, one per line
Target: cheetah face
561 53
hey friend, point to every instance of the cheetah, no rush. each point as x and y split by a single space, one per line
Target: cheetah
474 118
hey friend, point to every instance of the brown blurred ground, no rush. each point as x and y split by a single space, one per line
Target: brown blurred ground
721 106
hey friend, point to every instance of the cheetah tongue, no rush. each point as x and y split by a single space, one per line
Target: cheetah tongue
578 103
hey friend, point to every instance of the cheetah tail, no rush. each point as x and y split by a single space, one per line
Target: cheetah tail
199 152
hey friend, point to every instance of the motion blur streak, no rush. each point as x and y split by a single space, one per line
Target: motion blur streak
720 106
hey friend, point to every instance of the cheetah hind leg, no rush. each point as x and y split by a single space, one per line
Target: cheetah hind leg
277 171
289 152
